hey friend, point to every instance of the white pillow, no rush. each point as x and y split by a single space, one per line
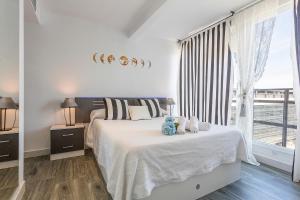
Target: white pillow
97 114
139 112
164 112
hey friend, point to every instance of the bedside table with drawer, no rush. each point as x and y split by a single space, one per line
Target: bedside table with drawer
66 141
9 148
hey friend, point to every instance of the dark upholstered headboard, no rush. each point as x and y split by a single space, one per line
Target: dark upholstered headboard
87 104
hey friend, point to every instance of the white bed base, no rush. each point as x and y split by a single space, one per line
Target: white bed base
197 186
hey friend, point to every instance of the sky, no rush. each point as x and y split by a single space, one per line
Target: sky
279 72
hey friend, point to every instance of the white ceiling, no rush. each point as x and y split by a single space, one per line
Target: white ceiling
177 18
169 19
121 15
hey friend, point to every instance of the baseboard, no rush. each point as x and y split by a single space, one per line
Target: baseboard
274 163
19 192
66 155
9 164
275 156
36 153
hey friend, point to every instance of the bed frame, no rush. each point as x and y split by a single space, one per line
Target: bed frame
87 104
197 186
191 189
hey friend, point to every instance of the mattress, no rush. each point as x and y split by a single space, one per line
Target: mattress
136 157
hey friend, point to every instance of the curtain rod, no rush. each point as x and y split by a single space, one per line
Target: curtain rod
232 13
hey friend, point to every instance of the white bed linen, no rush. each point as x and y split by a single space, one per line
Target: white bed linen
136 157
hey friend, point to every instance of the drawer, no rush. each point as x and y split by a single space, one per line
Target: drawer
9 147
67 140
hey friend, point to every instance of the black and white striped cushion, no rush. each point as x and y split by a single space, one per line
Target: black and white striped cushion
116 109
153 107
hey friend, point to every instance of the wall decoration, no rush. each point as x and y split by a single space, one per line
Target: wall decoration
124 60
134 62
142 62
102 59
111 58
149 64
94 57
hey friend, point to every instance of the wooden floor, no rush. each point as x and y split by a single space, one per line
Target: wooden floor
8 182
79 178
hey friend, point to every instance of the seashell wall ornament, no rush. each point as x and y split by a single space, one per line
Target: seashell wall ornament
123 60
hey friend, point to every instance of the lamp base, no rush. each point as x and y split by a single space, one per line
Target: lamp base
6 129
70 124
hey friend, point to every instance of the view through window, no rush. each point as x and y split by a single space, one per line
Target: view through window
274 105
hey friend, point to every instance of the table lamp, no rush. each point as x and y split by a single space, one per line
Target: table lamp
69 103
5 104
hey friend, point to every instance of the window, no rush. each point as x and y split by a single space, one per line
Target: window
274 105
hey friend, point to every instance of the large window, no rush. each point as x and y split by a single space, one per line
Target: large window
274 105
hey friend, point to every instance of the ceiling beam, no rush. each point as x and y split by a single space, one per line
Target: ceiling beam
144 18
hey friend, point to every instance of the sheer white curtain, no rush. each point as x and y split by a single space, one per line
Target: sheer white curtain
251 32
296 72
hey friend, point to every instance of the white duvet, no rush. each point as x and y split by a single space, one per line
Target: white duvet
136 157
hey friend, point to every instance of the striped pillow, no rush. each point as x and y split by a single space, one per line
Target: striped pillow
116 109
153 107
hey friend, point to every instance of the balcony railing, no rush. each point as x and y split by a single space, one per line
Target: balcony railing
274 117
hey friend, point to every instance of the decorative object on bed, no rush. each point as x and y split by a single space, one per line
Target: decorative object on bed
170 103
5 104
168 127
153 106
193 125
182 125
70 105
116 109
204 126
200 91
111 58
139 112
102 58
124 60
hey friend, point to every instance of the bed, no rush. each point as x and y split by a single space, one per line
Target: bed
138 162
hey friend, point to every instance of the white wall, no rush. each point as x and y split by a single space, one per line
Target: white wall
9 52
58 64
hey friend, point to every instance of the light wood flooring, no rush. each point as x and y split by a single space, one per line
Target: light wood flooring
79 178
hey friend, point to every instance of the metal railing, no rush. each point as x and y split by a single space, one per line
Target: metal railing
274 116
272 97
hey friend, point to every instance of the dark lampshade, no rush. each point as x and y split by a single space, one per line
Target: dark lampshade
69 103
170 101
7 103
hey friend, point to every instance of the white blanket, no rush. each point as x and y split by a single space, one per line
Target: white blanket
136 157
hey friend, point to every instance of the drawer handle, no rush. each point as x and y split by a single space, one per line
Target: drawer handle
68 147
4 141
4 156
67 135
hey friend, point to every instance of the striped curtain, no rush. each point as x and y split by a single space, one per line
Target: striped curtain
205 76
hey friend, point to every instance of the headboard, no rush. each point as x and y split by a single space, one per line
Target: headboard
87 104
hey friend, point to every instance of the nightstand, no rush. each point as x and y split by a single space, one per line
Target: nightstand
66 141
9 148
